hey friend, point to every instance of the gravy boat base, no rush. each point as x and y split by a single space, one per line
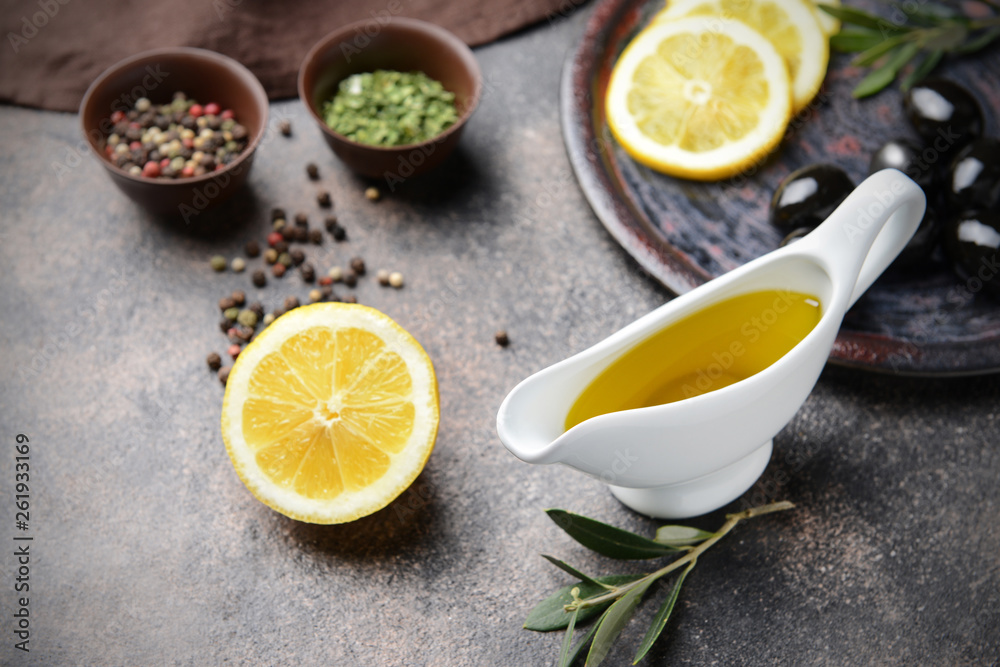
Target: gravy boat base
692 456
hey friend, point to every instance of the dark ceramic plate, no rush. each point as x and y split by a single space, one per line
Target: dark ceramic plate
921 322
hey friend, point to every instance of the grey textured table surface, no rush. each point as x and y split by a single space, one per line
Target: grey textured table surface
148 550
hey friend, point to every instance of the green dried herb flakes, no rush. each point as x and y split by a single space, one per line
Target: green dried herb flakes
388 108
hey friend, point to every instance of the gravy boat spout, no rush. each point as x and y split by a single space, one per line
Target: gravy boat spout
694 455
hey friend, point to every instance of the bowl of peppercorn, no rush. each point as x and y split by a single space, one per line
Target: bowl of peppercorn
391 98
176 128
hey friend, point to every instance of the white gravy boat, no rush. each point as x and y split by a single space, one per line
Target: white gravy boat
695 455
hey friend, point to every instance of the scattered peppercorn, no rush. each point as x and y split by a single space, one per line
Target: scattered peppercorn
285 259
339 234
396 279
501 338
243 332
324 199
350 298
285 127
328 294
226 302
239 297
277 213
372 194
218 263
382 276
325 280
274 238
279 225
358 265
308 272
224 374
234 350
336 273
259 279
252 249
315 295
316 237
350 278
297 256
232 313
291 303
238 264
301 219
278 312
281 247
225 324
247 318
214 361
313 171
330 223
278 270
268 318
257 308
271 256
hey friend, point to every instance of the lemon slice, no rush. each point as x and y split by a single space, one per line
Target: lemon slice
829 25
330 413
700 98
790 25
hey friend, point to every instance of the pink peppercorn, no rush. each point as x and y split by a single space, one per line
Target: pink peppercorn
325 280
274 238
228 114
187 171
278 270
212 109
196 110
135 145
234 351
165 162
117 116
151 169
187 143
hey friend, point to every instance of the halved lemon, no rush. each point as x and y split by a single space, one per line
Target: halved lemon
330 413
701 97
790 25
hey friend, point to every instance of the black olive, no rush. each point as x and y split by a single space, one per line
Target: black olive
944 114
974 181
903 155
921 244
806 197
972 242
795 235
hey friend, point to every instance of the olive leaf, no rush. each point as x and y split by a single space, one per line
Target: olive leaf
679 536
608 540
662 616
550 614
879 78
567 645
853 41
569 569
613 623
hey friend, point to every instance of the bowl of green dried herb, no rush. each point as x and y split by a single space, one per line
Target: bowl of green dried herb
390 98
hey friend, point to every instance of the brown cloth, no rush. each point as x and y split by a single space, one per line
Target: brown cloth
54 49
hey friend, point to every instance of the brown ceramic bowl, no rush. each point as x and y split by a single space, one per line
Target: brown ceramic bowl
202 75
398 44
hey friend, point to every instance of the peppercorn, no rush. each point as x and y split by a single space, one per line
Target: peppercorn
257 308
382 276
358 265
324 199
270 317
350 298
313 171
259 279
325 280
247 318
239 297
279 226
252 249
218 263
274 238
271 256
285 259
226 302
232 313
278 270
291 303
330 223
501 338
301 219
238 264
224 374
328 294
315 295
372 194
350 278
214 361
339 234
278 213
234 350
297 256
336 273
396 279
225 324
281 247
316 237
308 273
243 332
285 127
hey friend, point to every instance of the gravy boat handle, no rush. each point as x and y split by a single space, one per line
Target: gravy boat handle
867 231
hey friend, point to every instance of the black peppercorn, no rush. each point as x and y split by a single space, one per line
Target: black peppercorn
313 171
323 199
330 222
257 308
502 339
285 127
226 302
350 278
291 302
297 256
259 279
239 297
281 247
278 214
316 237
214 361
350 298
253 249
308 273
339 233
301 219
224 374
328 294
225 324
358 266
